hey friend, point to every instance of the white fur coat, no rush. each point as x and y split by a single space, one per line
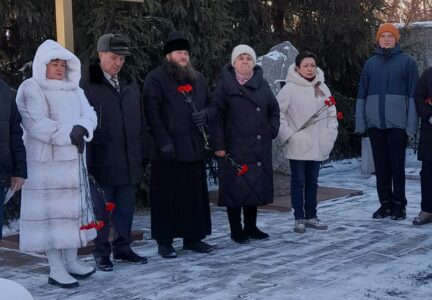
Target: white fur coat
51 206
297 104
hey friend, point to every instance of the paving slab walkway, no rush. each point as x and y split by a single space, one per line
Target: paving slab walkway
357 258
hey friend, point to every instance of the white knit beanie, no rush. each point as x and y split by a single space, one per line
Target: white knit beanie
240 49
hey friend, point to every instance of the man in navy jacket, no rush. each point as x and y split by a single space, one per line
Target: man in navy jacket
386 109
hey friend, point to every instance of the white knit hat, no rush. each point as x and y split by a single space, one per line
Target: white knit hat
240 49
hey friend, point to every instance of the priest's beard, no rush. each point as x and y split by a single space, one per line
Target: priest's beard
179 73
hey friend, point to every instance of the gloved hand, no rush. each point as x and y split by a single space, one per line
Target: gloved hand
199 118
168 152
77 137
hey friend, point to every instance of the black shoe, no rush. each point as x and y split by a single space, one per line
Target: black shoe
130 257
381 213
398 213
198 246
167 251
240 237
103 263
62 285
256 234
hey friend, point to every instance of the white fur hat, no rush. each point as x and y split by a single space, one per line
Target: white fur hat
240 49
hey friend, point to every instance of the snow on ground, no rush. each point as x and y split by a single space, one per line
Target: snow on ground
356 258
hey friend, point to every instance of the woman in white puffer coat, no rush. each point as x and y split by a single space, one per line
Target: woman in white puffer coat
303 95
57 120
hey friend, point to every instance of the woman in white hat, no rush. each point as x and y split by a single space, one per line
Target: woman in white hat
246 122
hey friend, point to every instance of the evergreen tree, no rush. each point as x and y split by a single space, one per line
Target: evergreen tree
339 32
24 25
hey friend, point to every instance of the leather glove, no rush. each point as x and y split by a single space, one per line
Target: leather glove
199 118
168 152
77 137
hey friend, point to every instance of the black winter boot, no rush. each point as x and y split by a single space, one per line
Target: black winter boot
237 233
398 212
250 217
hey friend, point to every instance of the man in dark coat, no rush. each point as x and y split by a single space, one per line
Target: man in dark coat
178 186
119 148
423 99
13 166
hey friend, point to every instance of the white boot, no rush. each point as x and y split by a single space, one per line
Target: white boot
74 268
58 275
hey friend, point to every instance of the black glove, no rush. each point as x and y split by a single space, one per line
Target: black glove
167 152
77 137
199 118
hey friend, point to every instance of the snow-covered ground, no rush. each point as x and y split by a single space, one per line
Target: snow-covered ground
356 258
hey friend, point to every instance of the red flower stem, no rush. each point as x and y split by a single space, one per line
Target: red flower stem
84 181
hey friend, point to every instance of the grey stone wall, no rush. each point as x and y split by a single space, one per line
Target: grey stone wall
275 66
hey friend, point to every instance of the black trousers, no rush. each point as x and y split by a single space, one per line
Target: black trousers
2 198
124 198
426 186
249 218
388 150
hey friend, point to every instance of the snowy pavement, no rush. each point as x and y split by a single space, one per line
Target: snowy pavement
356 258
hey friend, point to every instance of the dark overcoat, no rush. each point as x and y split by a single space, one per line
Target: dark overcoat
12 151
169 115
424 110
120 143
246 122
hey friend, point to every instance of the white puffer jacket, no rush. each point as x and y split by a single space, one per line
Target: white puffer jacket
51 206
297 104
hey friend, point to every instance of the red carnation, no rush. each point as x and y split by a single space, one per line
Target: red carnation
340 116
99 225
332 100
184 88
242 170
109 206
187 88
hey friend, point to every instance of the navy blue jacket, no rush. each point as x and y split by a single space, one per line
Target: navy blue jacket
386 92
12 151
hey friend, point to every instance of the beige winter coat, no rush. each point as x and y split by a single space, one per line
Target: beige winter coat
297 104
51 206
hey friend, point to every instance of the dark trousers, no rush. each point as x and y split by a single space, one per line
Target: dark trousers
304 187
249 218
124 198
426 186
388 150
2 198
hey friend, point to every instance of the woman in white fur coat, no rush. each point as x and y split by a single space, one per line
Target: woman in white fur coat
57 120
303 96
